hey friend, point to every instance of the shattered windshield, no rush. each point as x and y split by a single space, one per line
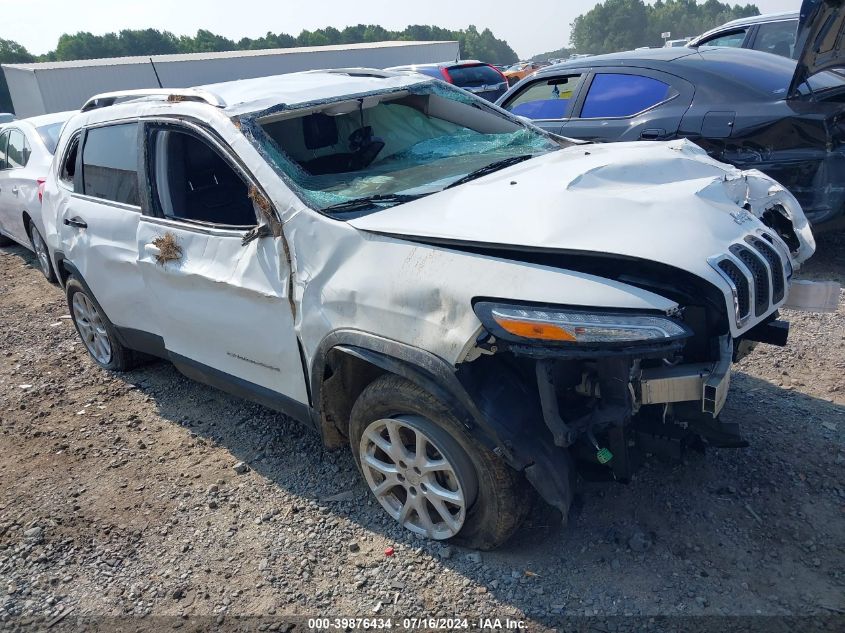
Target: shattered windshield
384 149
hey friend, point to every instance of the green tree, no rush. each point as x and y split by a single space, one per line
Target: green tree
11 53
616 25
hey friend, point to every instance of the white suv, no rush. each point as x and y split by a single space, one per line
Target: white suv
468 302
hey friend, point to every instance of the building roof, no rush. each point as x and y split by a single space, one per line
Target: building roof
264 52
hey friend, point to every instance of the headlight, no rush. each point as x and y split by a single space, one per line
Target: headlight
564 325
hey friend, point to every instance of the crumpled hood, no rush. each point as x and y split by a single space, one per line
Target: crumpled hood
666 202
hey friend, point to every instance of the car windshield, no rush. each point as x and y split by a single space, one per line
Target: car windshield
391 147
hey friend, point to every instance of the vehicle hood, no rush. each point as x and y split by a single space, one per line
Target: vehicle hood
666 202
818 40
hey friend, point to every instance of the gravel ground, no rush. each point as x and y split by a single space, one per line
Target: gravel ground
145 494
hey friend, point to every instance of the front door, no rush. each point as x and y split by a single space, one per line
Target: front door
223 307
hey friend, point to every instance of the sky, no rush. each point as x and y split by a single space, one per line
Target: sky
535 27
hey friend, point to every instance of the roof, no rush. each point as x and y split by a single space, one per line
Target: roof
261 93
648 54
47 119
265 52
460 62
294 89
758 19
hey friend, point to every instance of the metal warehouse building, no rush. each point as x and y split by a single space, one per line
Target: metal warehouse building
57 86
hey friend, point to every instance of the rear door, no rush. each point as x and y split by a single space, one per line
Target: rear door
629 104
547 100
15 190
5 188
98 221
223 306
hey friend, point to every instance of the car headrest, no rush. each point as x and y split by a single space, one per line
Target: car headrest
319 130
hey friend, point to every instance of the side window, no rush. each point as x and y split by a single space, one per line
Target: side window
617 95
68 171
777 38
110 163
4 143
733 39
194 182
545 99
17 153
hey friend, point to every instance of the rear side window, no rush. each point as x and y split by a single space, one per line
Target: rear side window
68 171
734 39
17 152
547 99
617 95
4 143
474 76
50 135
110 163
777 38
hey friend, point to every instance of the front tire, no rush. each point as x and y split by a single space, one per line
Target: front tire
95 330
42 254
428 473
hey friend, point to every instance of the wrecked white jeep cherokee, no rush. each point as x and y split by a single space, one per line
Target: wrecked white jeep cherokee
469 303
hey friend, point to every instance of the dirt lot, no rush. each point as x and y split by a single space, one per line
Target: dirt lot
119 496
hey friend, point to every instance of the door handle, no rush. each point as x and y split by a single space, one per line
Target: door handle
15 190
76 222
152 249
652 134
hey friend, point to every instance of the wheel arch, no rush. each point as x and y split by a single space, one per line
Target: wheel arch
348 360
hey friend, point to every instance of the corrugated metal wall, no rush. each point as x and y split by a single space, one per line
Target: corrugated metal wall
45 88
23 86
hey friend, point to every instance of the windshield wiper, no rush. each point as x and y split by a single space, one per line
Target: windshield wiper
489 169
368 201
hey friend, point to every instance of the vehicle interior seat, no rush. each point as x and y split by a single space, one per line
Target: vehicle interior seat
202 185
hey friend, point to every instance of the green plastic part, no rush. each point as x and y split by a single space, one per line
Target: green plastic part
604 456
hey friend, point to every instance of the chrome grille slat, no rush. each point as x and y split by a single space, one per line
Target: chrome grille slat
775 265
759 276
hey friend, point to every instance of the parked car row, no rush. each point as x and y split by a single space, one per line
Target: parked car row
484 80
473 305
744 107
26 151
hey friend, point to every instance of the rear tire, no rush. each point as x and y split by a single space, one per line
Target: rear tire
5 241
42 254
96 331
413 451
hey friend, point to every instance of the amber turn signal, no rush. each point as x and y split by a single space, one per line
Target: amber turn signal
535 330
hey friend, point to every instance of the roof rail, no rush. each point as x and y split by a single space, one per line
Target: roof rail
361 72
176 94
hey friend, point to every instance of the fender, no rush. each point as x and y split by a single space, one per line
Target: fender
417 365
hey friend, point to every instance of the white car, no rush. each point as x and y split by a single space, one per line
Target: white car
26 151
469 303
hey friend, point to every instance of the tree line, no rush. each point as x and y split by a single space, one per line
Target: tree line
474 44
620 25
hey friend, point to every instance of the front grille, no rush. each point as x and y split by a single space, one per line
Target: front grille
754 263
758 271
775 264
740 283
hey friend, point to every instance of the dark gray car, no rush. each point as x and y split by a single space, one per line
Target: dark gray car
751 109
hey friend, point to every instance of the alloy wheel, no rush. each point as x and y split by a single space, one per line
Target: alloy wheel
91 328
412 478
41 252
